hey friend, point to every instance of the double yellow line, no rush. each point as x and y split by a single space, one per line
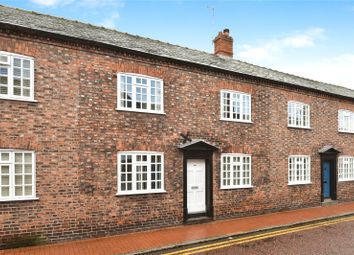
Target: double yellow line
223 244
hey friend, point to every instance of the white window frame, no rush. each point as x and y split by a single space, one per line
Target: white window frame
241 94
345 168
134 191
133 108
11 164
343 126
292 114
232 164
10 77
302 174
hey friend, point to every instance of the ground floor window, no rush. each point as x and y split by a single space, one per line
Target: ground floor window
346 168
299 170
235 171
17 175
140 172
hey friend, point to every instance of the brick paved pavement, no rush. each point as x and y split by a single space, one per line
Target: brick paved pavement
147 240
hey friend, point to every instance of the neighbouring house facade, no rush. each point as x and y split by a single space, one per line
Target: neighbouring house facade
104 132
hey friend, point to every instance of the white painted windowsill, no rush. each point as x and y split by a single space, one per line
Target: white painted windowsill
299 183
140 111
18 99
18 199
349 180
299 127
239 187
141 193
238 121
346 132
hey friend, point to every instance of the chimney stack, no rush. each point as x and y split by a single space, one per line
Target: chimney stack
223 44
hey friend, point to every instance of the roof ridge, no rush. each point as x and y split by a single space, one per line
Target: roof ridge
100 27
109 36
290 74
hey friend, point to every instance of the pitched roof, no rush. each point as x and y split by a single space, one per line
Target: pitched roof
75 29
328 149
199 142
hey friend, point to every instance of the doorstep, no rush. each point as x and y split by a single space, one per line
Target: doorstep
153 240
328 201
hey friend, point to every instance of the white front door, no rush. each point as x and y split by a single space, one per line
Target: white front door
196 186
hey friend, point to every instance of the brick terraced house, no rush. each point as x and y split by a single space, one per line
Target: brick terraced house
104 132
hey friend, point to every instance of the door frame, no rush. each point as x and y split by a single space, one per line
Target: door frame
332 159
208 157
198 149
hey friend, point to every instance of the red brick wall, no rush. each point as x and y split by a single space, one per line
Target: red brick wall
76 133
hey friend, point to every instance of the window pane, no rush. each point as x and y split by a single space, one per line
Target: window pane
17 72
28 179
26 83
28 168
3 90
3 71
18 180
18 169
26 73
5 156
28 191
18 191
5 191
17 62
3 80
18 157
5 169
28 157
5 180
26 92
4 59
26 63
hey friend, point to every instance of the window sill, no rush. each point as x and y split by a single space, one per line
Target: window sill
240 187
18 99
141 193
150 112
346 132
299 183
238 121
297 127
351 180
18 199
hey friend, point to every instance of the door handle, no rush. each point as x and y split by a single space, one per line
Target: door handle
324 182
194 187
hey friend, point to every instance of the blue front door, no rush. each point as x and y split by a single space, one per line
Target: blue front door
326 180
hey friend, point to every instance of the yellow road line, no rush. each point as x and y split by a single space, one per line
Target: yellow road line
258 238
241 240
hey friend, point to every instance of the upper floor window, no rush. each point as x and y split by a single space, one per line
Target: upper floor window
298 114
235 171
346 121
140 93
17 175
140 172
16 76
235 106
299 170
345 168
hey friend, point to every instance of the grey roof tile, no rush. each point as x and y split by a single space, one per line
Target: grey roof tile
89 32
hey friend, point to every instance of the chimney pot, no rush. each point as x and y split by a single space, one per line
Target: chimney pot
223 44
